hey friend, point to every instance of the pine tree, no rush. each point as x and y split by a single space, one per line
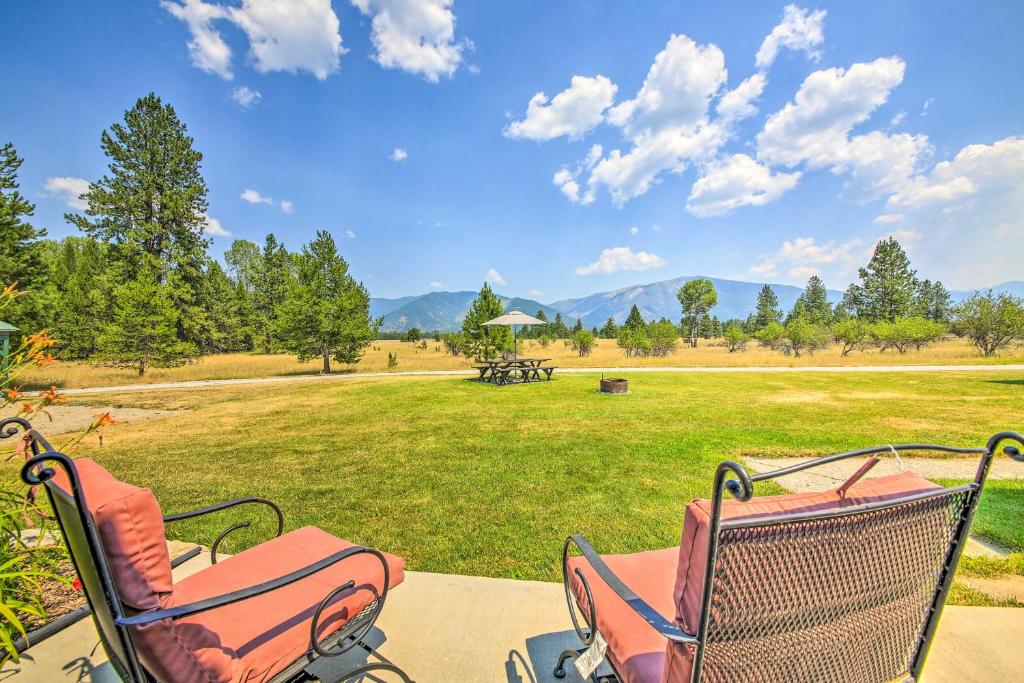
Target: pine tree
813 304
244 261
558 327
634 321
81 295
270 282
933 301
221 303
768 310
697 297
887 285
325 312
142 330
578 327
485 342
152 206
610 329
20 250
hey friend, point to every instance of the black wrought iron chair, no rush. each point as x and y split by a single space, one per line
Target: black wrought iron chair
845 585
264 614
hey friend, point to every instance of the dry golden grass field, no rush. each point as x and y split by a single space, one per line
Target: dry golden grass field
953 351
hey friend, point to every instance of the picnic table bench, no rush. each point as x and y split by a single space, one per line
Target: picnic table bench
509 371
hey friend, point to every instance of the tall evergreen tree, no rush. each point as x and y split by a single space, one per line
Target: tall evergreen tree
768 309
697 297
634 321
610 330
578 327
20 250
81 295
558 328
220 300
485 342
325 312
887 285
271 281
152 206
142 330
934 301
813 304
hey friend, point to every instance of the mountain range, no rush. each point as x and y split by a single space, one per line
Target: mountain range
736 299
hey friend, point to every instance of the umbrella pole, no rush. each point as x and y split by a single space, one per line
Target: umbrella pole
515 344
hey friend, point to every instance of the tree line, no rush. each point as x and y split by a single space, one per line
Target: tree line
138 288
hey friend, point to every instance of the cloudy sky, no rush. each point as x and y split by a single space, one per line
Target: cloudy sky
555 149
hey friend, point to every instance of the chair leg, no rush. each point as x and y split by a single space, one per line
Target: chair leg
380 666
566 654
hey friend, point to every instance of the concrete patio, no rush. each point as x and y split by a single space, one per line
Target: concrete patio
443 628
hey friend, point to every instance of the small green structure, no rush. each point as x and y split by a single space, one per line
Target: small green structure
6 330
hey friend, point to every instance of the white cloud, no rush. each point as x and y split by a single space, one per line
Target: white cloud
68 190
814 127
246 97
800 30
632 174
677 89
417 36
621 258
890 218
349 234
287 206
633 230
573 112
284 35
437 285
737 104
803 257
494 277
207 47
995 172
535 293
879 163
737 181
567 180
398 154
213 227
254 197
897 119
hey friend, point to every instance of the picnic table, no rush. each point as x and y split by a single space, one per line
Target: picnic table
504 371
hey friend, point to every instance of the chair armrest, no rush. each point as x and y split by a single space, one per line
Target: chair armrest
230 504
253 591
648 613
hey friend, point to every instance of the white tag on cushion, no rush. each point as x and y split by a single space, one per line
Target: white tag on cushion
588 662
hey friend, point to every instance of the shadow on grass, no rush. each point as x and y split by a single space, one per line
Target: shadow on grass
1018 382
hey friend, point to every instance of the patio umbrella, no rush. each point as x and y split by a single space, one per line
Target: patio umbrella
513 318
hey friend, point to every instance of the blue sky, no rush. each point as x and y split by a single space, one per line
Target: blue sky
753 140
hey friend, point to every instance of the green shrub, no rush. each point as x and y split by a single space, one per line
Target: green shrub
770 335
663 337
582 342
903 333
734 338
852 333
634 342
803 336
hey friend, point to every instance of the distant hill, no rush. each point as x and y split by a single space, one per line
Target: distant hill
736 299
441 310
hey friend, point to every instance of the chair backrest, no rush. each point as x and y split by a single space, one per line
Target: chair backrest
847 585
833 595
114 535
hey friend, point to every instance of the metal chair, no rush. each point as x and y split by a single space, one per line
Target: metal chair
143 627
845 585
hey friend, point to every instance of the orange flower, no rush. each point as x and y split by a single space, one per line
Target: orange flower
45 360
51 396
103 419
27 408
41 339
12 395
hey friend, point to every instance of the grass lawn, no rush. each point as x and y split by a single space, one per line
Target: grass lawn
465 478
411 356
1000 515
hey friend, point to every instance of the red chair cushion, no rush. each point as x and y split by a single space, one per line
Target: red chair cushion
131 528
255 639
635 649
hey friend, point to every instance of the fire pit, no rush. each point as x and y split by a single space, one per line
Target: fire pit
614 385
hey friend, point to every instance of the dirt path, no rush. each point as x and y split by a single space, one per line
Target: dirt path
199 384
68 418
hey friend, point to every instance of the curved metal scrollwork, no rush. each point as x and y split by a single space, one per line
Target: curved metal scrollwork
10 426
223 535
368 620
570 599
741 488
381 666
